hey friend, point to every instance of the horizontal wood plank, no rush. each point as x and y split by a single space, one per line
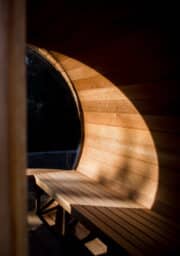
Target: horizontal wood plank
164 124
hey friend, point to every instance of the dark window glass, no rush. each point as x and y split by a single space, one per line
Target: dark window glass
54 129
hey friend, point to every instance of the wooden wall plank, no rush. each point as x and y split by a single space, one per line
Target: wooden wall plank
12 129
94 82
144 107
145 91
168 124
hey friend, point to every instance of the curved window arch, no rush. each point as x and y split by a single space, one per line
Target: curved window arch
54 125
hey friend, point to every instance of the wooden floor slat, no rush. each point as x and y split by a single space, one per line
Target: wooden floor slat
155 231
136 229
120 239
123 228
139 229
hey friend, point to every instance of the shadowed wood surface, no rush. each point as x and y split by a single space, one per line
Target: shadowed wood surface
133 229
12 129
43 242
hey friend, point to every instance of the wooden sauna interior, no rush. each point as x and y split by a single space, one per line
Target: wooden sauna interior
121 59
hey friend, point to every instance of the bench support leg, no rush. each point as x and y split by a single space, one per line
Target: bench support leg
62 219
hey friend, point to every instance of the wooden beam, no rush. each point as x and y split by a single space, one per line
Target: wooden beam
12 129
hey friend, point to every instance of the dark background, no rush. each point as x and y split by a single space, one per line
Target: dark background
53 122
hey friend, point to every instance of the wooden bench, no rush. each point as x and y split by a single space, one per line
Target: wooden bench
116 220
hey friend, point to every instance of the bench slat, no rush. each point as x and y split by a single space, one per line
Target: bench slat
69 184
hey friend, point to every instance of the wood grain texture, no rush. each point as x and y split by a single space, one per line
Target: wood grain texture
138 230
77 188
106 142
135 230
131 133
12 129
128 162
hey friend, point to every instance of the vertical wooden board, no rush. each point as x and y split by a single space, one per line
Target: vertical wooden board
12 129
5 245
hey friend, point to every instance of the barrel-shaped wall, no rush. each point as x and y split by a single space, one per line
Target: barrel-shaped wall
131 134
130 143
